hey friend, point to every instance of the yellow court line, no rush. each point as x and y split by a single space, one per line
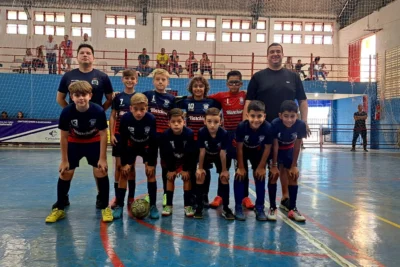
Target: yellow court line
352 206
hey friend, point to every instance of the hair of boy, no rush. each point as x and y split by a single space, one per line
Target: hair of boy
85 46
274 44
202 80
290 106
176 112
256 105
80 87
160 72
234 73
139 98
212 112
129 73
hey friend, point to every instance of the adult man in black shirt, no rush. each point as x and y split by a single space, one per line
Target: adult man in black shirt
360 128
272 86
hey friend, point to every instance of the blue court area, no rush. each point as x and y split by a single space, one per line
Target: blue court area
351 202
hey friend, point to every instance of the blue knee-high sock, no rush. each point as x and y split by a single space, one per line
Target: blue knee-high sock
293 196
225 195
260 192
238 187
220 185
272 194
152 189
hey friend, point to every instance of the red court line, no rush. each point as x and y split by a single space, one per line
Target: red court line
115 260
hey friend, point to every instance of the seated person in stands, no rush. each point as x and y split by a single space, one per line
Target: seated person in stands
27 61
174 66
288 64
205 65
191 64
143 67
162 60
324 70
20 115
38 62
298 67
317 69
4 115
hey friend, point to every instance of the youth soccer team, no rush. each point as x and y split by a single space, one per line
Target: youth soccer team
191 135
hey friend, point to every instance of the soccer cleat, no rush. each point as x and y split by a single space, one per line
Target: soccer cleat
260 214
365 150
353 149
154 214
117 212
246 202
198 214
107 215
55 215
284 204
271 216
66 202
113 203
227 214
239 215
167 211
216 203
206 203
189 212
295 215
99 204
147 198
164 201
130 202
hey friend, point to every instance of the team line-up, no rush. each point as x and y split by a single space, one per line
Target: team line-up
189 133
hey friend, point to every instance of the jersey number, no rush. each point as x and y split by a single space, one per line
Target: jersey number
122 101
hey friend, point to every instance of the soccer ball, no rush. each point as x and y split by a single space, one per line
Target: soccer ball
140 208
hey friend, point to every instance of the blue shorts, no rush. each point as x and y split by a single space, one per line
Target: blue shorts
216 159
134 153
76 151
116 150
254 157
285 157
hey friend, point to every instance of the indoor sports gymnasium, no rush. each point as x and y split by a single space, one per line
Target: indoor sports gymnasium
333 205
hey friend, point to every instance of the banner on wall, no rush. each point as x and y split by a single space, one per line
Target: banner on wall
29 131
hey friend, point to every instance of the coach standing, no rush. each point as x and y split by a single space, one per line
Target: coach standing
274 85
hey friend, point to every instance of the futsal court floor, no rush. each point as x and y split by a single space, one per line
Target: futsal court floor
351 202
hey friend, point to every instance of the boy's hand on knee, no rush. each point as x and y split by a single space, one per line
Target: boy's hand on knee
260 173
293 173
185 176
171 176
102 165
274 173
240 174
125 169
150 171
64 166
113 140
200 173
224 176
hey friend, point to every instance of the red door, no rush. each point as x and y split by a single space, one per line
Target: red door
354 61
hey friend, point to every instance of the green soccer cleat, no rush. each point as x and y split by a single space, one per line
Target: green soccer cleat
167 211
55 215
189 212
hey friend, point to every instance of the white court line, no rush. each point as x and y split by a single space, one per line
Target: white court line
318 244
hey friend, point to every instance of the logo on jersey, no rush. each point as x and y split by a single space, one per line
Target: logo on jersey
219 145
153 100
166 103
74 123
147 129
184 143
246 138
205 106
92 122
131 129
206 144
191 107
261 138
279 135
121 113
95 81
172 144
227 101
294 136
241 101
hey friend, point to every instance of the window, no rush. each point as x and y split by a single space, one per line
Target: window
236 24
278 26
318 27
328 39
236 37
261 38
288 26
278 38
120 20
49 17
175 35
48 30
261 25
296 39
17 29
80 31
318 39
205 36
175 22
287 38
120 33
81 18
16 15
297 26
205 23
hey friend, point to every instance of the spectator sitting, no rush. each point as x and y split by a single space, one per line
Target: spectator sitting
324 70
191 64
174 66
27 61
86 39
20 115
298 67
205 65
288 64
317 69
4 115
143 67
162 60
38 62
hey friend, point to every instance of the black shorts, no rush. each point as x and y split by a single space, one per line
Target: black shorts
116 150
209 159
254 157
134 153
76 151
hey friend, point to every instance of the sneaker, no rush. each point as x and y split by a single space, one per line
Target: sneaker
130 202
247 203
198 214
260 214
107 215
66 202
147 198
99 204
164 201
216 203
271 216
284 204
154 214
228 214
55 215
167 211
239 215
117 212
353 150
189 212
206 203
365 150
295 215
113 203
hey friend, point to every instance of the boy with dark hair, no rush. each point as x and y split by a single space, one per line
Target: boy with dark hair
138 138
176 151
83 126
254 140
288 133
232 103
212 140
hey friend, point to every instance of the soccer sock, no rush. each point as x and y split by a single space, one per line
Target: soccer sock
170 196
152 189
272 195
260 192
246 185
225 195
121 192
132 188
199 195
293 196
115 188
207 183
187 198
219 192
62 190
104 191
238 188
164 172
